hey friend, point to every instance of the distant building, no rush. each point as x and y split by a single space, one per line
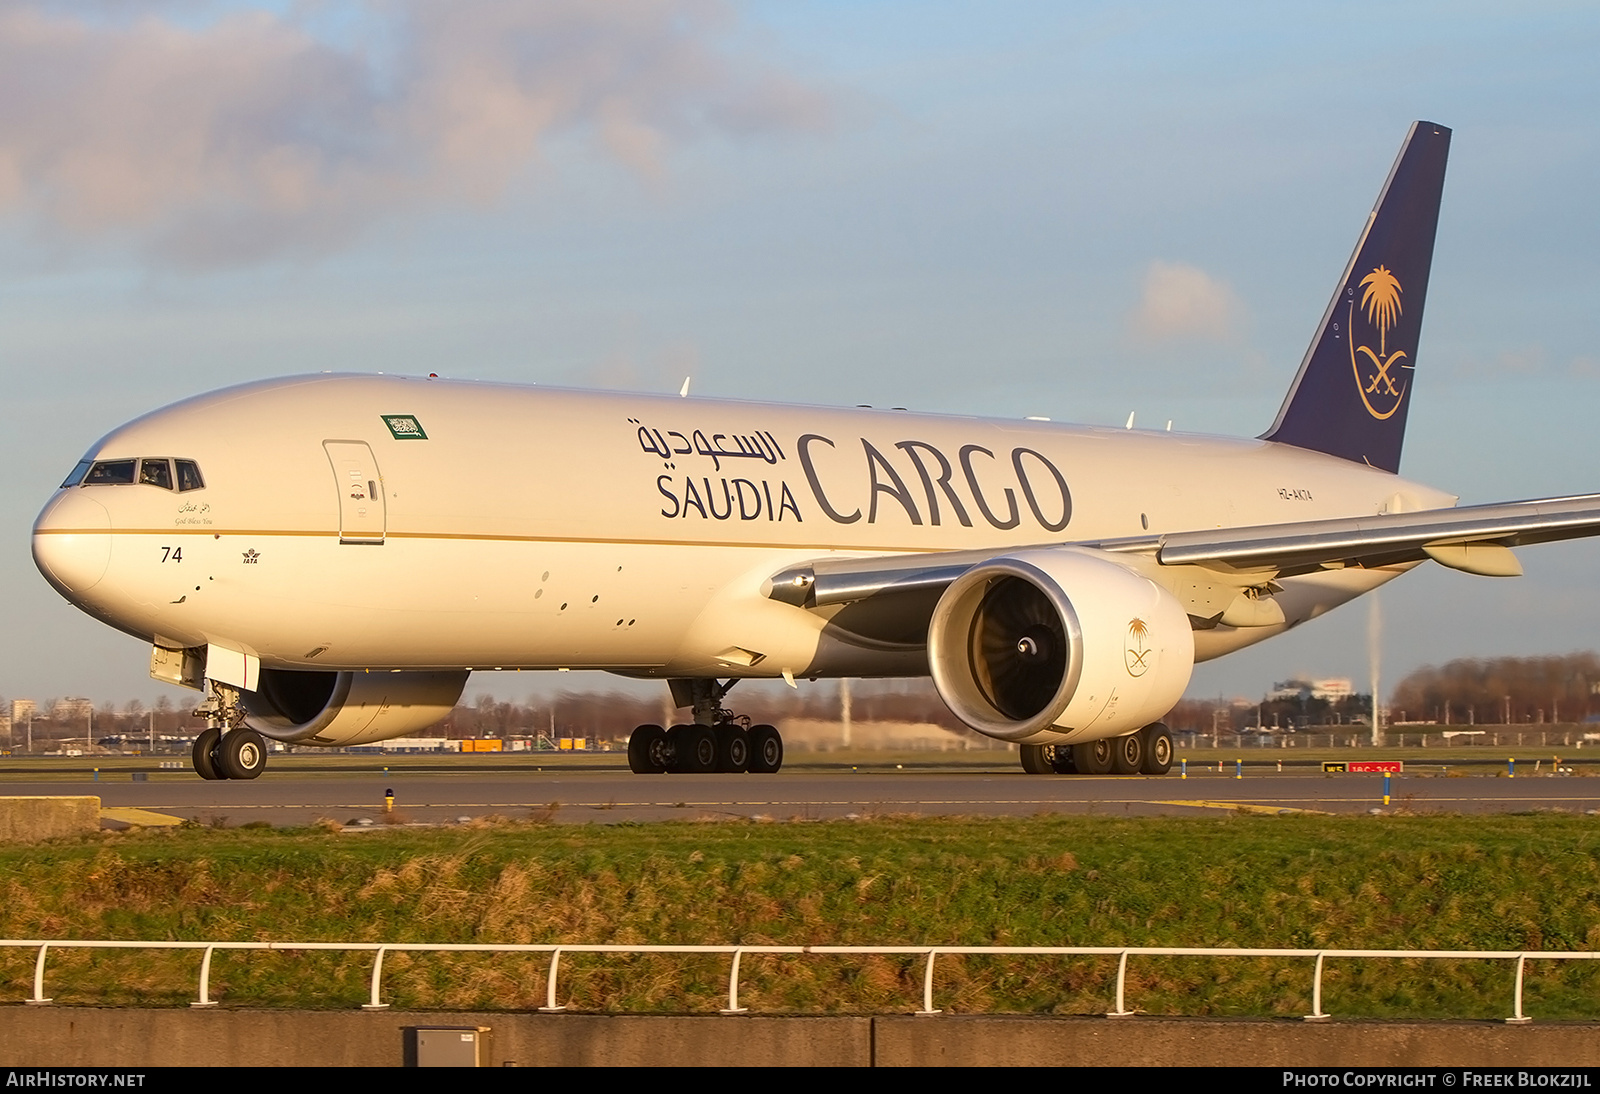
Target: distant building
72 709
1332 690
17 716
1335 690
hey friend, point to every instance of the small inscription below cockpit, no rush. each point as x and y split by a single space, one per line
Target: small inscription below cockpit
193 513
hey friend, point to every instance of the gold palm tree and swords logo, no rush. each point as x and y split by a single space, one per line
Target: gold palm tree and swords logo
1137 653
1377 374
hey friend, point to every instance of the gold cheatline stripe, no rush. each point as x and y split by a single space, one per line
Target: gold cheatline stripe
642 542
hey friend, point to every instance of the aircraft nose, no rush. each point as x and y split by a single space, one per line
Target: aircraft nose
72 542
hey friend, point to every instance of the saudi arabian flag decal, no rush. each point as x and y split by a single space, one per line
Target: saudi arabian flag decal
404 427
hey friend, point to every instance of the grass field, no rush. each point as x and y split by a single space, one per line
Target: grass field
1436 882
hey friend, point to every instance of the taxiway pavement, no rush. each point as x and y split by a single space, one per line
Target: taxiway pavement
605 795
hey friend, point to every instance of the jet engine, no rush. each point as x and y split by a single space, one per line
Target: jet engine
1059 646
348 708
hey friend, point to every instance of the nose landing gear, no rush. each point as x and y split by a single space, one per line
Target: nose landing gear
226 748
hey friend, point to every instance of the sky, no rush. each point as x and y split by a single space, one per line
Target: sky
1070 210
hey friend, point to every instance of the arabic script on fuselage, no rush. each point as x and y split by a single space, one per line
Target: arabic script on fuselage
748 480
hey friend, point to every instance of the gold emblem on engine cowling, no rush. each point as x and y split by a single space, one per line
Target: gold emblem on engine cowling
1137 654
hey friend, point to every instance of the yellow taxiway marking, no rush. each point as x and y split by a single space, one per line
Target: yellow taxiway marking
1244 807
142 817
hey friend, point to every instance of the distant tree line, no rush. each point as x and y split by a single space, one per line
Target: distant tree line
58 720
1307 712
1502 690
614 714
597 715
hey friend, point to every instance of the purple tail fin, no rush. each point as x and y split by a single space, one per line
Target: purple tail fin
1354 387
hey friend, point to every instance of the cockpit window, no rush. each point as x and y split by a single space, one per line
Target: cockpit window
189 476
150 471
156 473
110 473
78 473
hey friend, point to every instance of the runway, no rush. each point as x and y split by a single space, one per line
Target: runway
609 795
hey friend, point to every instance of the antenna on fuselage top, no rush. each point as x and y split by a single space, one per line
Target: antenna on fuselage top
683 392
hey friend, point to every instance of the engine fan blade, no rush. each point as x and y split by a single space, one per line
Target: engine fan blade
1019 648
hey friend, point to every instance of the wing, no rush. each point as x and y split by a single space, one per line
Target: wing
1476 539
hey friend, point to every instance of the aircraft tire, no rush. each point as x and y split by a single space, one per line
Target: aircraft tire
1127 754
733 748
241 755
1158 750
1093 757
695 748
1036 760
204 745
766 750
674 750
647 750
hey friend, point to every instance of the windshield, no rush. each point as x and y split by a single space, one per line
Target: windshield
158 471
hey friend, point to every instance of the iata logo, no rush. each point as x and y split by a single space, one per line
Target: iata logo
1379 374
1138 652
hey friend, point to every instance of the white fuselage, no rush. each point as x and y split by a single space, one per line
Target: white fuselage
541 528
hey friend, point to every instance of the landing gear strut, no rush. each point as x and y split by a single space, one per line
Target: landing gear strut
1148 751
226 748
717 739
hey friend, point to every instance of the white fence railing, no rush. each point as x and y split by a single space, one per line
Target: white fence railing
929 953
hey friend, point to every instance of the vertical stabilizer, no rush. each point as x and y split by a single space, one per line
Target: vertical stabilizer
1354 386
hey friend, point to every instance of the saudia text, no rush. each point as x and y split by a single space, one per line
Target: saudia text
909 481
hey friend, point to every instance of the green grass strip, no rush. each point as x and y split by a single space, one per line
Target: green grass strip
1385 882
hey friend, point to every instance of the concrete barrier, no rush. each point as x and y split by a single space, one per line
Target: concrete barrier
134 1038
991 1041
29 819
130 1038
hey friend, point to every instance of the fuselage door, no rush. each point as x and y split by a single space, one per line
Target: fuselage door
360 486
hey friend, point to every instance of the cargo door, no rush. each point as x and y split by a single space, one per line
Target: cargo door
355 473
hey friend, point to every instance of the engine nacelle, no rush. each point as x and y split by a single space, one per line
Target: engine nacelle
1058 646
348 708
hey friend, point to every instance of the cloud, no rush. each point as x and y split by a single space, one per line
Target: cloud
210 135
1184 302
1525 363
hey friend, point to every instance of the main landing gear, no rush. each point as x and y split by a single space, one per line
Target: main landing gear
717 739
1146 752
227 749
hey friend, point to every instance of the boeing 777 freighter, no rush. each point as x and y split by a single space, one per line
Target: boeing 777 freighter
328 557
